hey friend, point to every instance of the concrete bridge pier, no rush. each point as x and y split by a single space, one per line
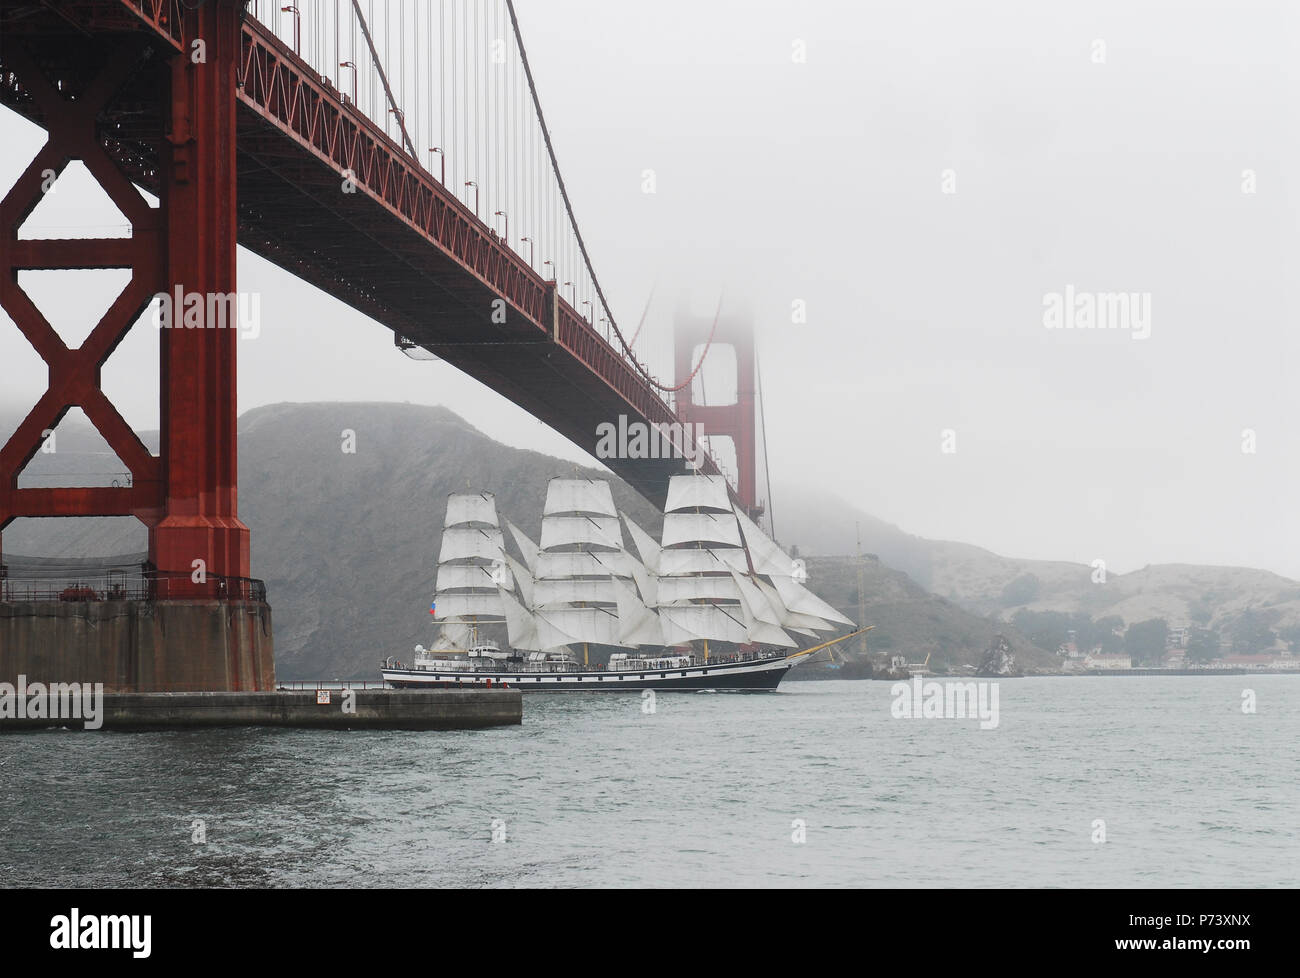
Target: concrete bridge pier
140 645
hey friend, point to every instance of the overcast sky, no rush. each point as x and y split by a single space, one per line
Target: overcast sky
922 181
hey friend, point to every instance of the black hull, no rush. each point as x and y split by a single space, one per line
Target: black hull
759 676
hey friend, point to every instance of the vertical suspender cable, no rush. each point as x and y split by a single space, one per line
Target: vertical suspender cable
455 141
477 168
415 72
442 81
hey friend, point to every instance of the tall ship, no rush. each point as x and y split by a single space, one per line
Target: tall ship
715 603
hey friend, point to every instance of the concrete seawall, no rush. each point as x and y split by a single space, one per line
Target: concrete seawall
371 709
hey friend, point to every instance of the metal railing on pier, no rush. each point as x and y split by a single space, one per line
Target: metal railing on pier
298 685
151 586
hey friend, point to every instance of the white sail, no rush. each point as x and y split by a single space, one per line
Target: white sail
678 590
768 558
791 621
755 600
520 625
761 618
646 583
559 627
470 507
763 633
801 609
802 601
637 624
463 542
692 560
565 531
584 563
454 576
689 622
523 578
697 491
469 607
452 636
696 527
525 545
645 545
557 593
579 496
574 571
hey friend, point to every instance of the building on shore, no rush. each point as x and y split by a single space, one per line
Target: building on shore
1098 660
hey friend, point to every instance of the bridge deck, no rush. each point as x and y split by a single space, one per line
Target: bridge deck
401 248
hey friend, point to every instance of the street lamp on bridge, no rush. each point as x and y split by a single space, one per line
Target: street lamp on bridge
297 25
353 66
506 220
552 264
529 242
442 160
573 294
471 183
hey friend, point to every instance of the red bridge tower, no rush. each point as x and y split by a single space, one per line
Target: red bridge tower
148 97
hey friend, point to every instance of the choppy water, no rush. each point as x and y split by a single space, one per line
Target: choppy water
592 791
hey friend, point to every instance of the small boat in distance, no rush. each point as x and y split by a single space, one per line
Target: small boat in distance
715 604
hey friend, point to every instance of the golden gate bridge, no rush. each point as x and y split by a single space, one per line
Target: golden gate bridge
395 155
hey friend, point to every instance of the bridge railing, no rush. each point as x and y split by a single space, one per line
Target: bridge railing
164 16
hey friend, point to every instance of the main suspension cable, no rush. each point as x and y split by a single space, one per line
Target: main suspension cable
573 223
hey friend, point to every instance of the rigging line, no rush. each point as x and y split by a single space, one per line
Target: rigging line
365 30
582 246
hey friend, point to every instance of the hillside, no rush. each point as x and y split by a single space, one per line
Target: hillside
910 621
988 584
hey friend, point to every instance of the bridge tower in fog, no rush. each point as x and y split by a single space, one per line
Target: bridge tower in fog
723 344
